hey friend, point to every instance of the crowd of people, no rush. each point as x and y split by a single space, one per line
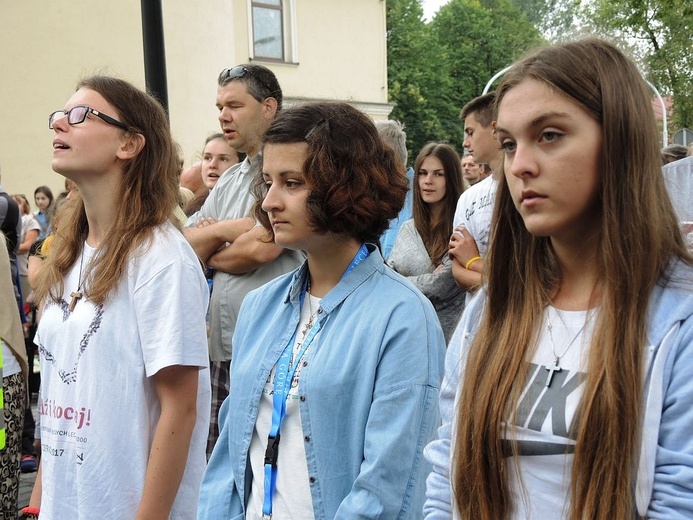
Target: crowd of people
302 326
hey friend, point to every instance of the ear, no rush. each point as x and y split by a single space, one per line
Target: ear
131 144
493 126
269 107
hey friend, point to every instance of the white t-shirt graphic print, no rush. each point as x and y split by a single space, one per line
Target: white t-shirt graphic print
97 402
545 415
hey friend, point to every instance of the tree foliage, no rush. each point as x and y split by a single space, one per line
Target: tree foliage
418 77
435 68
660 32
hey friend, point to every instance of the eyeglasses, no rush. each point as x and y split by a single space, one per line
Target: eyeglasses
78 114
239 71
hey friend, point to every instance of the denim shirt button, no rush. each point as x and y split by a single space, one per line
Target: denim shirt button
303 398
305 363
306 438
311 480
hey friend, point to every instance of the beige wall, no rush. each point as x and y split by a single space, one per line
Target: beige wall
46 47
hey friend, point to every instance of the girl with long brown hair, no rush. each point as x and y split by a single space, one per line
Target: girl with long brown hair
573 375
421 250
124 399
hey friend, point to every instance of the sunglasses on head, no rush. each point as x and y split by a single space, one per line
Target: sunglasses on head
240 71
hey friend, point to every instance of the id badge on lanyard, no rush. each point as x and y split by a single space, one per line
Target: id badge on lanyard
283 376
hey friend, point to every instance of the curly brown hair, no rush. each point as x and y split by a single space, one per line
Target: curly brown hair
355 181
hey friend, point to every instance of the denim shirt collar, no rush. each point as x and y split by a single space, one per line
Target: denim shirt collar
343 289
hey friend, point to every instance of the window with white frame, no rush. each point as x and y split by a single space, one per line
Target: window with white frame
272 30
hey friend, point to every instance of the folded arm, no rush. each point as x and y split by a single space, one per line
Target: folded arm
246 253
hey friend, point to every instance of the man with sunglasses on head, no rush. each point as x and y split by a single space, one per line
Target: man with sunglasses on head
223 233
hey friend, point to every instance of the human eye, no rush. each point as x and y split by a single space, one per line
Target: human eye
422 173
207 157
293 184
508 146
549 136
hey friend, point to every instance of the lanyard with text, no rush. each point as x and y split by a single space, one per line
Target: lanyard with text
284 374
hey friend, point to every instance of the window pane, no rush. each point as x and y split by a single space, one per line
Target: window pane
269 2
267 33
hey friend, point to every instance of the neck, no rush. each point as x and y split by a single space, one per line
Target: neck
328 263
101 204
437 211
579 275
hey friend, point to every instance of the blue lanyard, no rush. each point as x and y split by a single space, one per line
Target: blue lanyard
284 375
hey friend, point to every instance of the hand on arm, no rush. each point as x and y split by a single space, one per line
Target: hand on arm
246 253
208 235
462 251
176 389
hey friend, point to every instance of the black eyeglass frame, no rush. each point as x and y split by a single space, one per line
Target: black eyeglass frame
88 110
241 71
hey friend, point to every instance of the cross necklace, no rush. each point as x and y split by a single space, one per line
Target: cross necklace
556 367
311 319
77 295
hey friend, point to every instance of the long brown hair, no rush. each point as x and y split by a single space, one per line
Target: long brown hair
435 233
148 193
638 238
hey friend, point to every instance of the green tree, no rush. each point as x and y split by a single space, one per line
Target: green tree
435 68
660 33
418 77
480 39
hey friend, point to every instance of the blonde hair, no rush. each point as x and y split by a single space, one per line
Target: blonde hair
639 238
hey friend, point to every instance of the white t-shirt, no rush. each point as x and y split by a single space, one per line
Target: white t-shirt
29 223
292 498
474 211
97 402
10 365
543 424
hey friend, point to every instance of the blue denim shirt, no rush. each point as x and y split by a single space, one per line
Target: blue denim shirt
368 395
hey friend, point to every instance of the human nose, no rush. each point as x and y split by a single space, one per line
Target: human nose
214 162
272 200
225 115
522 162
59 121
467 142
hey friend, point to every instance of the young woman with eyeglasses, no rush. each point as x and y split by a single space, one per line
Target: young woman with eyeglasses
574 371
124 398
337 364
421 249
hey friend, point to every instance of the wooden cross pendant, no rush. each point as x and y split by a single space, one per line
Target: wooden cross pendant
552 370
75 296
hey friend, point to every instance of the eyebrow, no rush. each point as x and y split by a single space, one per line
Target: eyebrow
284 173
538 121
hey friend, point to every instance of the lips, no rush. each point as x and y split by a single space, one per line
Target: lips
59 145
530 197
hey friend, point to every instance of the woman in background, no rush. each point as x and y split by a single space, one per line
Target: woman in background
43 196
420 251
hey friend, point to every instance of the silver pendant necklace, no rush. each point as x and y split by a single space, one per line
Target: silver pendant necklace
311 314
556 367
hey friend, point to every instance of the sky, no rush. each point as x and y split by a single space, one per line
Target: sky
431 6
